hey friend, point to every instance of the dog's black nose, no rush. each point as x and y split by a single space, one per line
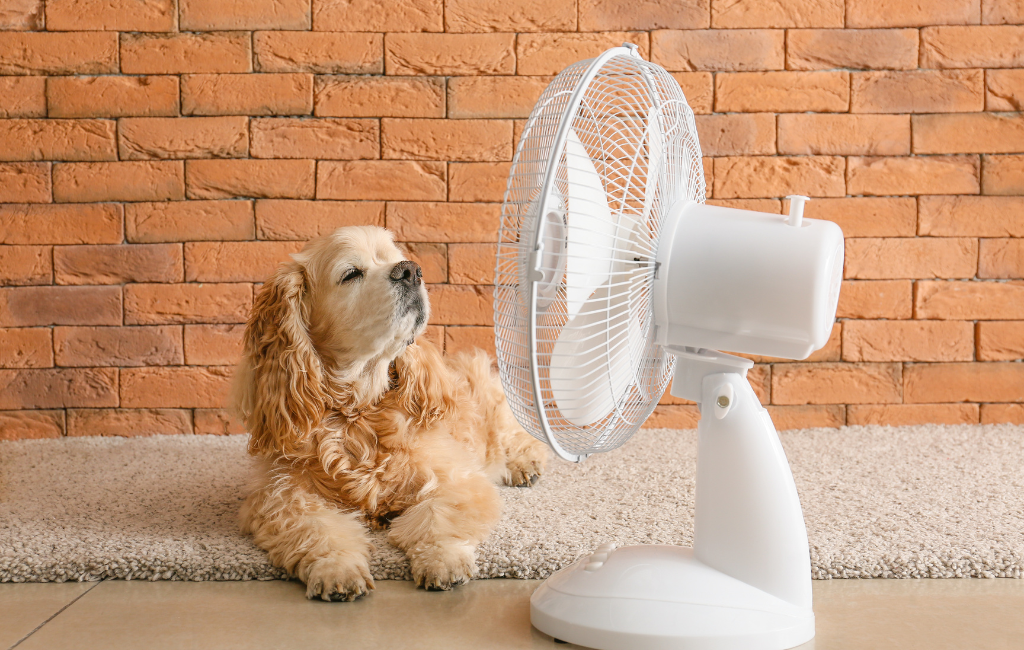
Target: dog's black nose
408 273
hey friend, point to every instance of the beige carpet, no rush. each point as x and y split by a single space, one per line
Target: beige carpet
879 502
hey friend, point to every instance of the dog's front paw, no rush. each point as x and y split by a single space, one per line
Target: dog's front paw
526 465
339 577
440 567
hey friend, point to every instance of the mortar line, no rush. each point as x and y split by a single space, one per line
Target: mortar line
54 615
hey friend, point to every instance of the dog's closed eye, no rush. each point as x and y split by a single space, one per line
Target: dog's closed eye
350 275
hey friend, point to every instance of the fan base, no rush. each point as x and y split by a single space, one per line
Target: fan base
663 598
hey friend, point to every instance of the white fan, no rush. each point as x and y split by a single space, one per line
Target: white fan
612 278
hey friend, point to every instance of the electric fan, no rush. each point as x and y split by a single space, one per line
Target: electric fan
612 278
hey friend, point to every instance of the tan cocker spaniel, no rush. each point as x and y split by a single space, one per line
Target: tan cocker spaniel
359 425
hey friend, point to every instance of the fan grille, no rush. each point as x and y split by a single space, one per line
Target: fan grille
611 123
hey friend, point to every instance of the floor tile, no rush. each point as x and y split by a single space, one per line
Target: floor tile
24 606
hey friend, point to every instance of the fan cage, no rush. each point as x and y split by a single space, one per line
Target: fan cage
610 118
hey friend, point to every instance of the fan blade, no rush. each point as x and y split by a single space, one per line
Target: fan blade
593 363
590 237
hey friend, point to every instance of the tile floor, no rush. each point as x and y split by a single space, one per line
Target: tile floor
851 615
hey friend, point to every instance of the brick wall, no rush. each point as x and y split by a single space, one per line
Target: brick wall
158 158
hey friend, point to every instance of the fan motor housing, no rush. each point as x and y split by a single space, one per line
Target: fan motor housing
746 281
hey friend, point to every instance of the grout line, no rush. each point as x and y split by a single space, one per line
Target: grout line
54 615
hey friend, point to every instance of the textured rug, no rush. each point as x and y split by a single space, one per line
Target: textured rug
929 501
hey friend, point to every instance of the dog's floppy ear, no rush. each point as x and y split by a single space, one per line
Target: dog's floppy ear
424 384
280 389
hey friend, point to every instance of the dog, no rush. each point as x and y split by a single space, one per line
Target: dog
359 425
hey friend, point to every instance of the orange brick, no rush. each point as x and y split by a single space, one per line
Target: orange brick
771 206
837 383
378 16
119 181
57 140
379 96
1003 175
392 180
53 53
434 335
698 88
737 134
183 137
25 183
763 176
472 263
918 91
186 53
907 257
607 15
1001 258
915 175
673 416
128 423
549 54
216 422
997 12
432 258
213 345
866 216
1002 413
117 264
41 306
911 414
876 299
807 416
247 94
176 221
319 52
22 14
444 222
719 50
969 300
457 140
324 137
1004 90
780 13
910 13
972 133
112 96
477 182
884 340
449 54
220 179
77 15
48 388
175 387
861 49
60 224
118 346
782 92
22 97
235 261
31 425
172 304
486 97
963 382
201 15
303 220
971 216
26 347
866 135
469 338
972 46
510 16
1000 341
458 304
26 265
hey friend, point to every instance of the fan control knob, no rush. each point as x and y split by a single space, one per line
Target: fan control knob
593 566
607 547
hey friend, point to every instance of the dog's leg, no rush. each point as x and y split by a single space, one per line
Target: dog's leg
440 533
307 536
526 458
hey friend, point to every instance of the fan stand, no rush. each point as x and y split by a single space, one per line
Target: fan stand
745 584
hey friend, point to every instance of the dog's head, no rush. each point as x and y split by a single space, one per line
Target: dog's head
337 314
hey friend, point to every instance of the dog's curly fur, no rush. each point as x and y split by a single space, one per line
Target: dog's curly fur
359 426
